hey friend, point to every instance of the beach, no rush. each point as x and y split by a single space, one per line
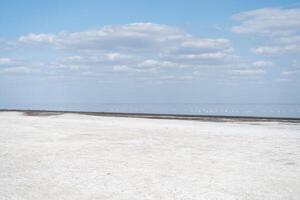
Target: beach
77 156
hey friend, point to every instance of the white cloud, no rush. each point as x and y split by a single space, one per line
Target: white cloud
141 49
249 71
150 63
280 46
168 78
195 45
129 37
16 70
280 28
267 50
145 47
120 68
38 38
97 61
292 39
114 56
5 61
277 50
291 72
203 56
268 21
296 63
282 80
134 38
262 63
18 66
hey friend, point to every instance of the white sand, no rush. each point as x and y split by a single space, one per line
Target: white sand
88 157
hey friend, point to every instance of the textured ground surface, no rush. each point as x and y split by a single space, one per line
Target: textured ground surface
91 157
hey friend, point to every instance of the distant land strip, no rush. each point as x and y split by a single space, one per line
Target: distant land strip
214 118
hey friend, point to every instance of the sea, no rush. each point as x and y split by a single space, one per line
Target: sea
224 109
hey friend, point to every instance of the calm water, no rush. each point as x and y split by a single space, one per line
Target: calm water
263 110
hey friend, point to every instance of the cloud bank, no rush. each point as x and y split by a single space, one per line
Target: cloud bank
152 51
138 48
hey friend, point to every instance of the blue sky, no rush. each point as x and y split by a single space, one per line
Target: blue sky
87 52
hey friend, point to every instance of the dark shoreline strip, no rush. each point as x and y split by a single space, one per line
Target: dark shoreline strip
216 118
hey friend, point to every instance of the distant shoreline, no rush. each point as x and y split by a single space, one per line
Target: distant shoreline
215 118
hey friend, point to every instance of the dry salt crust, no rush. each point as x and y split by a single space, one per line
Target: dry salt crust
74 156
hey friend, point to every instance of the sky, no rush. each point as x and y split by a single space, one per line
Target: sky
88 52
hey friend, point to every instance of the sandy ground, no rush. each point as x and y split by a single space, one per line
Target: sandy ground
91 157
